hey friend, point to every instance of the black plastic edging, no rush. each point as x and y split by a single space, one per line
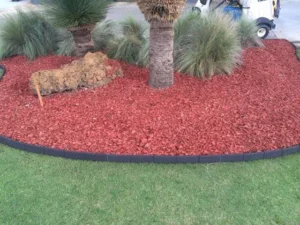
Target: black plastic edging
4 71
243 157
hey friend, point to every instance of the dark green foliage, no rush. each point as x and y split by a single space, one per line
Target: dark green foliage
143 59
128 46
103 33
74 13
64 42
203 45
25 33
28 33
206 45
126 41
247 30
182 25
2 71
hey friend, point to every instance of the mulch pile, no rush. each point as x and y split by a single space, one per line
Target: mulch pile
256 108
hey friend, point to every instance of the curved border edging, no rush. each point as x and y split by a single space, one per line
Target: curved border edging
4 71
243 157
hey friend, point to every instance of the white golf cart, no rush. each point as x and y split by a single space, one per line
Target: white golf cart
263 11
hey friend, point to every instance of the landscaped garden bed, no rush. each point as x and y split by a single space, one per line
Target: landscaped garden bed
137 106
256 108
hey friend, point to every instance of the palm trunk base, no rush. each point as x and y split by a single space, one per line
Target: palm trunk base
161 55
82 39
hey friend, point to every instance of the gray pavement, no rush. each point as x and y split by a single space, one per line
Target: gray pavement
6 5
122 10
288 23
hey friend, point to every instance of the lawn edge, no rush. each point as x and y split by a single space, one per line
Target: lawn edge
180 159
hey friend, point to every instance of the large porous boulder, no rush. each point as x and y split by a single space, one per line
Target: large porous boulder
94 70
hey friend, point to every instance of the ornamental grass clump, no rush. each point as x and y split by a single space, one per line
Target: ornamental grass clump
28 33
127 47
206 45
247 33
203 45
79 17
103 33
143 59
64 42
126 41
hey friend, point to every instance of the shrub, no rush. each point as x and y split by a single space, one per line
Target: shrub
182 28
209 45
203 45
103 33
28 33
79 17
247 30
75 13
25 33
64 43
128 46
143 58
182 25
126 41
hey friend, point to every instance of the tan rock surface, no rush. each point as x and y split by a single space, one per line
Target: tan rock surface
90 71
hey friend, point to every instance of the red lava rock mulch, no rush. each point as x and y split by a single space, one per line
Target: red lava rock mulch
257 108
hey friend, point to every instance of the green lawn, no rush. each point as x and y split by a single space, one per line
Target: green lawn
36 189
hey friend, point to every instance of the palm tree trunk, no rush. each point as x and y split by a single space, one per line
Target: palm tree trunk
161 55
82 39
